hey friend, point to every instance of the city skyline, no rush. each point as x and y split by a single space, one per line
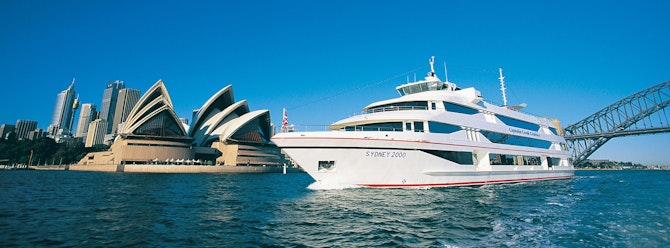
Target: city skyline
71 119
323 61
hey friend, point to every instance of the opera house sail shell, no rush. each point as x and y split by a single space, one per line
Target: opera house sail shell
242 137
154 116
219 109
152 132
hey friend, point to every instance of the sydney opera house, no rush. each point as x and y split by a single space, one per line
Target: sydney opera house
224 137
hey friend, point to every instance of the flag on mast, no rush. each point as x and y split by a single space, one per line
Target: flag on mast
284 123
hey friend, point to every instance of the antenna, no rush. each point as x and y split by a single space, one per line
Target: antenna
502 87
446 77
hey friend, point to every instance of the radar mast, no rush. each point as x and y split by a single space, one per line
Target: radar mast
432 67
502 87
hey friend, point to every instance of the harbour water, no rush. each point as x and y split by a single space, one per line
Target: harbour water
91 209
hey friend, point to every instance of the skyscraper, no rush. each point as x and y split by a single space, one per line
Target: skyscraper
5 130
35 134
87 114
96 133
23 127
63 115
124 104
109 99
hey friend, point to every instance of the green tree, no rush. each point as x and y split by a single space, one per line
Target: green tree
44 149
71 152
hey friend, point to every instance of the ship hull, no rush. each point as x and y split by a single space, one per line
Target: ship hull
350 163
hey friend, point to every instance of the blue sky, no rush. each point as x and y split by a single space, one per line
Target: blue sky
325 60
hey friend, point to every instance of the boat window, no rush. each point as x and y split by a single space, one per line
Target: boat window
553 161
399 106
418 126
509 159
416 88
451 107
553 130
500 159
421 87
456 157
388 126
433 106
408 126
532 160
508 139
438 127
519 123
326 166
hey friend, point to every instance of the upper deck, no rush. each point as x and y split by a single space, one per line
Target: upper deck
430 83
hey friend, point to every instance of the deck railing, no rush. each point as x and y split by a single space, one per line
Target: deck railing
376 129
394 108
317 128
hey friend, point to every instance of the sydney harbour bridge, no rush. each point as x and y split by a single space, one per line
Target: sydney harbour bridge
641 113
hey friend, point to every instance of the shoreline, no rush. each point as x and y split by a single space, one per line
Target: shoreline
151 168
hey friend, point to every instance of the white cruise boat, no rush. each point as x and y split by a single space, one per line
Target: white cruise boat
434 135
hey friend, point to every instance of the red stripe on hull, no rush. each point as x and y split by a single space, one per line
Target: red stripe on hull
462 183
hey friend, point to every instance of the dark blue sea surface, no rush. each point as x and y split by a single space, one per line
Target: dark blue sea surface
90 209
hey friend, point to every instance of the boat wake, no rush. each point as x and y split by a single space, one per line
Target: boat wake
318 185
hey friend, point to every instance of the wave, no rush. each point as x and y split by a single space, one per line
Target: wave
318 185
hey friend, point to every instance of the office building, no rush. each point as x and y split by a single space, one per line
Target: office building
87 114
127 98
109 100
63 115
96 133
36 134
5 130
23 127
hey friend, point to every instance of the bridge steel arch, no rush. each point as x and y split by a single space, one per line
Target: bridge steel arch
641 113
